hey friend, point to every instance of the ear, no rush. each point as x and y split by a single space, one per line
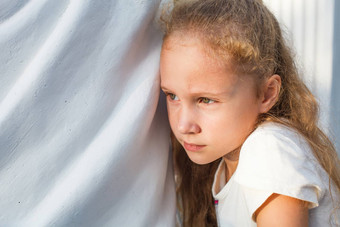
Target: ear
270 93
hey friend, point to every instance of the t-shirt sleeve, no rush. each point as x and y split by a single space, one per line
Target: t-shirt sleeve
278 162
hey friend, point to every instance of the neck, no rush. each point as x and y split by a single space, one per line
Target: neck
231 161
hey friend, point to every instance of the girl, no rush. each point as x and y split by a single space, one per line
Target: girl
240 112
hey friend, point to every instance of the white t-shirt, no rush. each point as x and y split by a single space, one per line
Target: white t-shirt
82 140
273 159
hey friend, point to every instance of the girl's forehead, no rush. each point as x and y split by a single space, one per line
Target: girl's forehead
187 65
185 39
189 44
185 62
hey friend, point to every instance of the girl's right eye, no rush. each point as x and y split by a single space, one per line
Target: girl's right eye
173 96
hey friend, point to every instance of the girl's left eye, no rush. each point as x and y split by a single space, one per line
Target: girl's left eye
206 100
173 96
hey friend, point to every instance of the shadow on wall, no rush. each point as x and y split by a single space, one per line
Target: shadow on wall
335 95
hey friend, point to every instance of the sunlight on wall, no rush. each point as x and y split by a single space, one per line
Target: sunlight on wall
309 26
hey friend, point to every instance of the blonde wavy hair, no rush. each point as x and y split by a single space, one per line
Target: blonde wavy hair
248 33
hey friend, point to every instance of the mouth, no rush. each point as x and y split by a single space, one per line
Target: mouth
192 147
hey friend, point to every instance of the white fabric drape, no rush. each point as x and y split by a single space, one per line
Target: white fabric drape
82 142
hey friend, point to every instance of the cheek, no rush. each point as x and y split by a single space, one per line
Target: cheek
215 124
172 117
229 125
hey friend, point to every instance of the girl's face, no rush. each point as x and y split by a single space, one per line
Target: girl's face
211 110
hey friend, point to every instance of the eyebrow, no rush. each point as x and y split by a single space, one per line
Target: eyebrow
164 88
211 94
203 93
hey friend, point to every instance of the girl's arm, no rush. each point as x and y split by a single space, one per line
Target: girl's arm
280 210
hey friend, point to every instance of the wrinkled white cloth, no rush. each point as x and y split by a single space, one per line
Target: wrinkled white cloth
82 142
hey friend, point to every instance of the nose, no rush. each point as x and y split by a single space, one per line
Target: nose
187 122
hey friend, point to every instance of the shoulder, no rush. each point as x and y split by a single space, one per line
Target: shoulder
277 159
274 135
277 142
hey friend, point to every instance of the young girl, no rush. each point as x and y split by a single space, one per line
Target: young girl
240 112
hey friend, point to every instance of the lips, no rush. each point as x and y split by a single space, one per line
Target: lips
193 147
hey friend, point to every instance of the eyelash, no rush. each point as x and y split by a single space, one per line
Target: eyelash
204 100
170 96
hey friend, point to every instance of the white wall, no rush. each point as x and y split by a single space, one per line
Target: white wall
310 27
335 99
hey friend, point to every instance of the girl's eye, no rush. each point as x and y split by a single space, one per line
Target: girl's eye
206 100
173 97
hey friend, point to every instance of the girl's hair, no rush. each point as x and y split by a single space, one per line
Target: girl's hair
247 35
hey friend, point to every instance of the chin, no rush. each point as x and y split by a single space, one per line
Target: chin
200 160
